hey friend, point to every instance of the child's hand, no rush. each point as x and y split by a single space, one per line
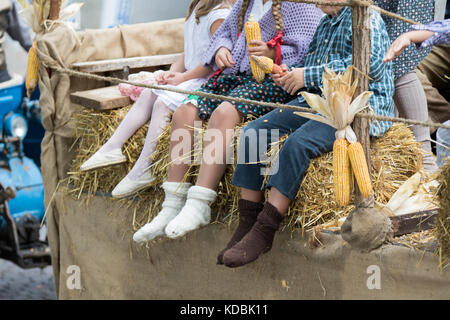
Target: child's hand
162 77
397 47
293 81
224 58
277 77
260 48
175 78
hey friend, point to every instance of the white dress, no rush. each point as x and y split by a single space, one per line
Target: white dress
259 9
196 42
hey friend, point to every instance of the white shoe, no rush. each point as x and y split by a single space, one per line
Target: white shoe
127 187
103 159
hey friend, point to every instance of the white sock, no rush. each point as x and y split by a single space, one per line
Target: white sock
196 212
174 201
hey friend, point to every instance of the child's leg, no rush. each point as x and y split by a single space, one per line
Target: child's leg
309 141
181 141
136 117
197 212
411 103
159 121
249 174
175 190
219 135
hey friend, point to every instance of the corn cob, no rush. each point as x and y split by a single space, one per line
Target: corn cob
32 70
360 169
342 170
253 32
267 65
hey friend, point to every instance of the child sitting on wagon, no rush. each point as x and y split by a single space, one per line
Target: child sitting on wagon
286 31
331 47
203 19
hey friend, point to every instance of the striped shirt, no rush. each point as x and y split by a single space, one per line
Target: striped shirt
332 47
441 34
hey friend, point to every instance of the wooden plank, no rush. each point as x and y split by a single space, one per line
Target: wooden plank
101 99
131 63
414 222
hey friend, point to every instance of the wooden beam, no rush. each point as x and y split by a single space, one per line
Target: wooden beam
131 63
414 222
101 99
361 28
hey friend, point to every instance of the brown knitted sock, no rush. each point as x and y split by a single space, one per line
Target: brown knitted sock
248 212
257 241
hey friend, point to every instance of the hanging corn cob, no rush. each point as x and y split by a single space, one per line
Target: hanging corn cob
253 32
32 70
338 110
342 172
267 65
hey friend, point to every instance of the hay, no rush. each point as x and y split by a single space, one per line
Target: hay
395 157
443 219
92 130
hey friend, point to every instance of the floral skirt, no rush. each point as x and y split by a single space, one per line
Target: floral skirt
240 86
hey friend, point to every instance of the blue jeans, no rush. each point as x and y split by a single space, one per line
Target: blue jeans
307 139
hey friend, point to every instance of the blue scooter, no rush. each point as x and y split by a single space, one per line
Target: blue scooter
21 187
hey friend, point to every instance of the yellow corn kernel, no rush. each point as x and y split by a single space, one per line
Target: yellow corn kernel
32 70
360 169
342 171
264 63
253 32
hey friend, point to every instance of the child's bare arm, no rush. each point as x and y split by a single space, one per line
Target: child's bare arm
200 71
178 66
403 41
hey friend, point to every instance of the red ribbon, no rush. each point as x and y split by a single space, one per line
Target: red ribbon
276 42
215 74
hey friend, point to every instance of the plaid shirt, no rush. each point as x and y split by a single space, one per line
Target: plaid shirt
441 34
332 47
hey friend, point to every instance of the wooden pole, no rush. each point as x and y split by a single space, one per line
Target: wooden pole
55 8
361 60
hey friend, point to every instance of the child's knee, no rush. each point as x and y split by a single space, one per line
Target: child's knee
225 112
186 113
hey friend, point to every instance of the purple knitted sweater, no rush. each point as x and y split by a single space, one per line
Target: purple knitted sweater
299 25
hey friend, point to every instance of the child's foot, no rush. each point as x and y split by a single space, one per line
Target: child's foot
175 198
257 241
103 159
196 212
248 212
128 187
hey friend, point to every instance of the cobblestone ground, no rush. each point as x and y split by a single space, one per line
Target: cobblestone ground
20 284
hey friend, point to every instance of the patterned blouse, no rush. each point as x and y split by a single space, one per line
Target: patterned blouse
421 11
441 34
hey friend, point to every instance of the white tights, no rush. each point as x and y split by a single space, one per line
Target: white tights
148 105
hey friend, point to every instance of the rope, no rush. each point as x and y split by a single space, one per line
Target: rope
350 3
239 100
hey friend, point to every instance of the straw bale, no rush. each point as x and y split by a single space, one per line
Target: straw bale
443 219
395 157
